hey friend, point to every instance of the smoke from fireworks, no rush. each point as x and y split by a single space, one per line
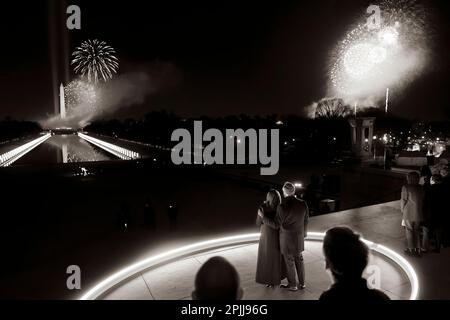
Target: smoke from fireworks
86 101
95 60
82 100
82 93
367 61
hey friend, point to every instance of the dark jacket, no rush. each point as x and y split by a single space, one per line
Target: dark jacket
353 291
435 203
445 216
292 220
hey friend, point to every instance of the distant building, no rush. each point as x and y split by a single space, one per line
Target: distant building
362 136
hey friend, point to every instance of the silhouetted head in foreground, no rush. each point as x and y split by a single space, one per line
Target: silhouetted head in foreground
346 256
217 279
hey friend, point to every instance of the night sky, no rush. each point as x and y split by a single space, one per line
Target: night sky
225 57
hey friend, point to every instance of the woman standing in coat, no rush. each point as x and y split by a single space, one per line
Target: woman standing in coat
270 268
412 206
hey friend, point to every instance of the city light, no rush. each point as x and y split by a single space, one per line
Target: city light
197 126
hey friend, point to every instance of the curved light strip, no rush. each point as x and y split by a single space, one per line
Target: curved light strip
131 270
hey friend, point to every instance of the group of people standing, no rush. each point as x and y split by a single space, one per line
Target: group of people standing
283 224
346 256
425 215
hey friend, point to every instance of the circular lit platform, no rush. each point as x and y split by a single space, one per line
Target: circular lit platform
171 275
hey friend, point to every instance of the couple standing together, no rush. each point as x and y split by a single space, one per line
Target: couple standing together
283 226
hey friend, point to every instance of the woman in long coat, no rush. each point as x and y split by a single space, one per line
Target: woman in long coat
412 207
270 267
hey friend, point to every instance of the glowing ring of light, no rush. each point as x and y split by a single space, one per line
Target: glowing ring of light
102 287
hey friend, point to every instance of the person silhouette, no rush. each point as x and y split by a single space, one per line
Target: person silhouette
412 207
292 220
346 257
217 280
270 267
149 214
124 217
172 213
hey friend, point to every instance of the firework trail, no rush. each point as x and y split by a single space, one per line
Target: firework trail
95 60
387 101
367 61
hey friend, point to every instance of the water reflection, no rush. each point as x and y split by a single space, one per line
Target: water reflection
64 149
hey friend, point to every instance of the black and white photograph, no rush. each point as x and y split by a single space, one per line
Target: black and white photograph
225 155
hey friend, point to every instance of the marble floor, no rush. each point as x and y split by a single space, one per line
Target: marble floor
175 281
378 223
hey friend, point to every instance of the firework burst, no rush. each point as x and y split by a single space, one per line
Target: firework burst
368 61
81 97
95 60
